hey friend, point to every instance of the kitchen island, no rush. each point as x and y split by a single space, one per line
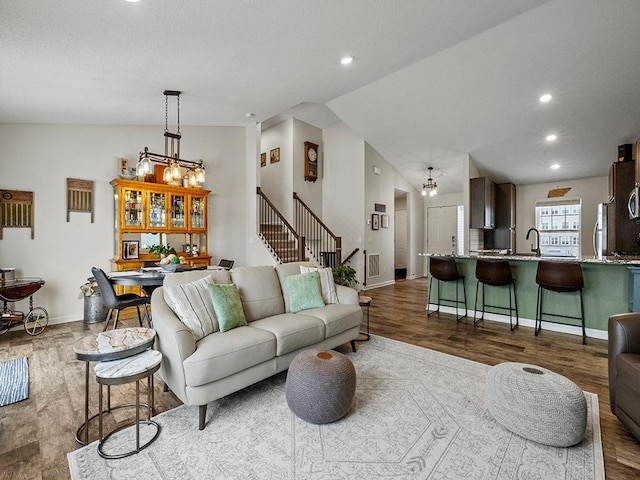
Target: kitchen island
606 291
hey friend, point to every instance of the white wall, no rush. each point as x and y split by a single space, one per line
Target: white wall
39 158
343 183
276 179
591 190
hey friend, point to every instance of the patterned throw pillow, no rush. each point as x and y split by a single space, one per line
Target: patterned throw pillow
304 291
228 306
191 302
329 294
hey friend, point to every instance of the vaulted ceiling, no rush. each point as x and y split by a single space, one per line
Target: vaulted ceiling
431 80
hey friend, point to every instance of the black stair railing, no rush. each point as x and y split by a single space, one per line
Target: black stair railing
285 244
321 242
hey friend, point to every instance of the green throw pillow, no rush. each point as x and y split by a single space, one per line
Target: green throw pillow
228 307
304 291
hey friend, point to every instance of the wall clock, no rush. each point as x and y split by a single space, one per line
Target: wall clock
310 162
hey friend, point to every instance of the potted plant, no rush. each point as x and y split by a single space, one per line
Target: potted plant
162 250
344 275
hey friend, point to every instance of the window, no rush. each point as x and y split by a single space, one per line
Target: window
560 217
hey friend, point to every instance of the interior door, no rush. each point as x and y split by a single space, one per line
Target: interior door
441 229
400 232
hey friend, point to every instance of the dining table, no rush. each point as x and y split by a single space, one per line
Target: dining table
148 280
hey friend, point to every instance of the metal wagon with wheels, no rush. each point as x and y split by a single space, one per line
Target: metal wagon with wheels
36 319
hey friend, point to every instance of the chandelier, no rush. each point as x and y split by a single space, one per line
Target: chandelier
172 173
431 186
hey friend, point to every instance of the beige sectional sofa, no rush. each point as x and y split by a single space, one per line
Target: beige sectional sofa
220 363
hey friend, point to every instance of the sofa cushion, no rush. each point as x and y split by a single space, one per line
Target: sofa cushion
284 270
259 290
222 354
337 318
178 278
328 286
228 307
304 291
292 331
191 302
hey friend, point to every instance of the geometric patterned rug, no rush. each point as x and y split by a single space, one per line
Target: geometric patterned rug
417 414
14 381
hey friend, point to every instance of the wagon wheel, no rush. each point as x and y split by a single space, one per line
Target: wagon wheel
36 321
5 326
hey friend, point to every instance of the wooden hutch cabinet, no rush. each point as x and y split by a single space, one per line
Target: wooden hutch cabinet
175 215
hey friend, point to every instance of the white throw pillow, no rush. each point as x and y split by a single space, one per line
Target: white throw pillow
192 303
329 294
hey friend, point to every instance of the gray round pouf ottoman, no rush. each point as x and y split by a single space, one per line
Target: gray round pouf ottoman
537 404
320 386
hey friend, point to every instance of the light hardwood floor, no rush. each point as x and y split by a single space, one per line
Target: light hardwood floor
36 434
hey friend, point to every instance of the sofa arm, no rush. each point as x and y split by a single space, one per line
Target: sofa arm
624 337
174 340
347 295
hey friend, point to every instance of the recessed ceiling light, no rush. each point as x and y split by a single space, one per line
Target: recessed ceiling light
555 166
545 98
133 1
551 137
346 60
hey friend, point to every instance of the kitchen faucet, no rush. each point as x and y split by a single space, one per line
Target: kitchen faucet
536 250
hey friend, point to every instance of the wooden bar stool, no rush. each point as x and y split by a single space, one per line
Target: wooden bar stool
445 269
561 277
495 273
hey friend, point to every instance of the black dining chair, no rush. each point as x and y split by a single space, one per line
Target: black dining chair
119 302
226 264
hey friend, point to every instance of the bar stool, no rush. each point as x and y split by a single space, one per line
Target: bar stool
445 269
561 277
495 273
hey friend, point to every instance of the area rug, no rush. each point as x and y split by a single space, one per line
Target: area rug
418 414
14 381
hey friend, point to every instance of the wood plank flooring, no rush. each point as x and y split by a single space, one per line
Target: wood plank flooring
36 434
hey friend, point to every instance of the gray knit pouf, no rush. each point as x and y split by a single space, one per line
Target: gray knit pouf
320 386
537 404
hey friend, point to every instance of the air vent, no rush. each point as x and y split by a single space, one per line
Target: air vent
374 265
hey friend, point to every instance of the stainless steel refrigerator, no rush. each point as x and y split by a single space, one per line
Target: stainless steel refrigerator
600 231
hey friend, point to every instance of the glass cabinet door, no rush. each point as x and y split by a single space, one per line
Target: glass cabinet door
133 215
178 211
157 210
197 212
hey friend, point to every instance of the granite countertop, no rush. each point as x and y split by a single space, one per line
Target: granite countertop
632 261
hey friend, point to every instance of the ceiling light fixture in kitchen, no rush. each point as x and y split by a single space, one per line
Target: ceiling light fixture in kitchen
346 60
551 137
555 166
430 186
546 98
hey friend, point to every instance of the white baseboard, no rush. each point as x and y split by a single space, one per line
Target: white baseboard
526 322
381 284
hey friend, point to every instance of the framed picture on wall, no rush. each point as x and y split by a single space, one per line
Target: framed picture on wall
263 159
385 221
130 249
274 155
375 221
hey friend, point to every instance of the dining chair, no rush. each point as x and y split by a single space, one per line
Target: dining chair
119 302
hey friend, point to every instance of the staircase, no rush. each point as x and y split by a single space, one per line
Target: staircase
284 243
322 244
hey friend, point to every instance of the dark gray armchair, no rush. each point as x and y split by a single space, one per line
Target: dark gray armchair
624 369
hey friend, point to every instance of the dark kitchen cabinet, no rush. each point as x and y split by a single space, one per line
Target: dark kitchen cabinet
502 237
483 203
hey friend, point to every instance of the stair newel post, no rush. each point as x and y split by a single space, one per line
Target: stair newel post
301 247
338 250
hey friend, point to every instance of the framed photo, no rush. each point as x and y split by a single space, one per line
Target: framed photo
263 159
274 155
130 249
385 221
380 207
375 221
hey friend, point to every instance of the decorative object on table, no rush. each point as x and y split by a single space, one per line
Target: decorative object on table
130 249
14 381
263 159
94 309
16 210
537 404
384 221
79 196
162 250
173 164
194 250
431 187
417 413
320 386
379 207
124 171
375 221
310 162
344 275
274 155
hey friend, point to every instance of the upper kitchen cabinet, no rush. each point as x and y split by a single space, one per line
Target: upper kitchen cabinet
502 237
483 203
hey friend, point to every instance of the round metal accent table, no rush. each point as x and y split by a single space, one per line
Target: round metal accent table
126 370
320 386
537 404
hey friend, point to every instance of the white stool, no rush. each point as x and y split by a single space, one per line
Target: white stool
119 372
